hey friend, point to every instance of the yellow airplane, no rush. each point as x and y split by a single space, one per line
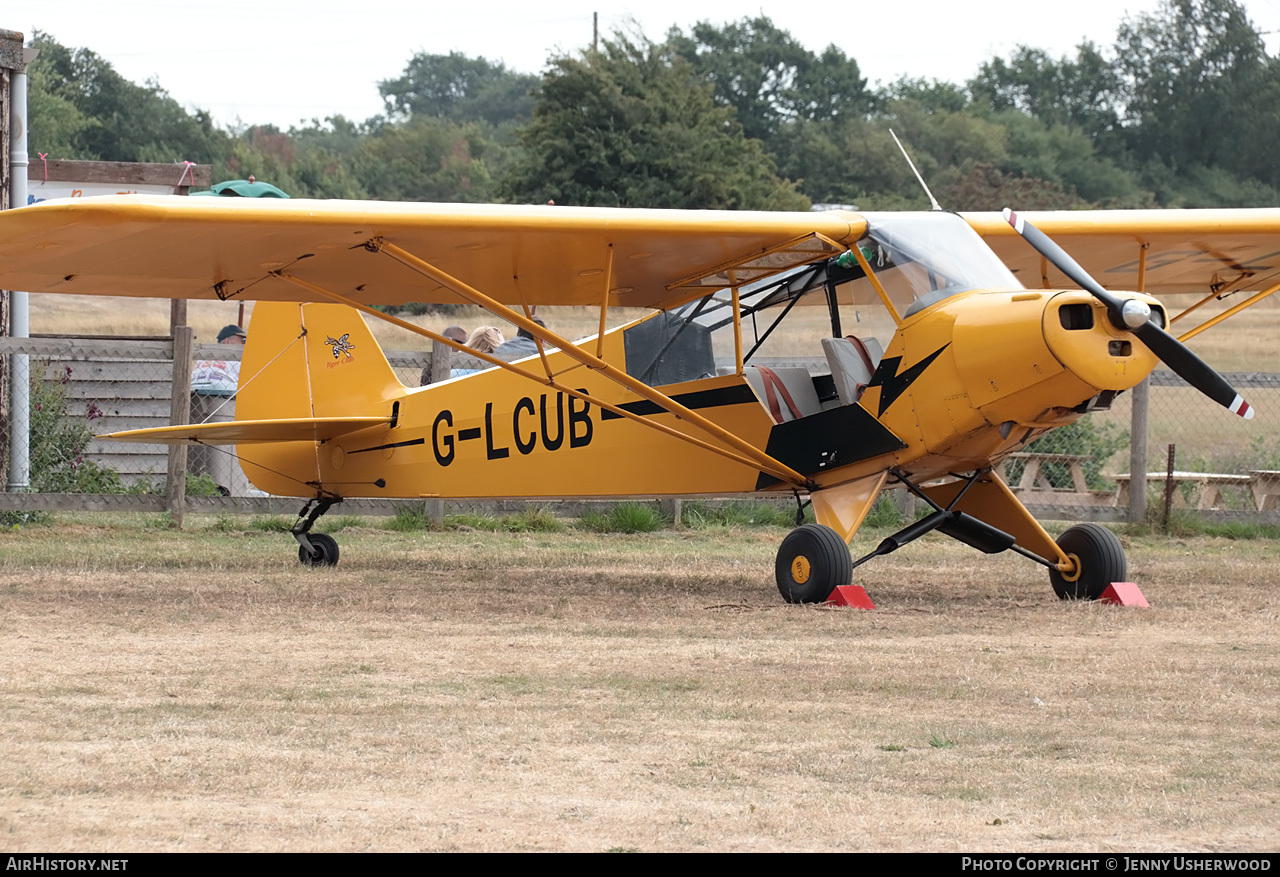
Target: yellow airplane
942 363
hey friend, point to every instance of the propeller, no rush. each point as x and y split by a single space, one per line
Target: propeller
1135 316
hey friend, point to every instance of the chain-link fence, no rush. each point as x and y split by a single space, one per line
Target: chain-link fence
1223 466
77 388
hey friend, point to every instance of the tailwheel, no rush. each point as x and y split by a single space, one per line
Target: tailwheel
325 551
1099 559
812 562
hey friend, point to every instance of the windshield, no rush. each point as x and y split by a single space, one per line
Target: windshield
922 258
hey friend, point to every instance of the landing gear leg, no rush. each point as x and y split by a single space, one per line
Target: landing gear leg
315 549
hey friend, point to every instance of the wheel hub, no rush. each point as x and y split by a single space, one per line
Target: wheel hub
1073 575
800 569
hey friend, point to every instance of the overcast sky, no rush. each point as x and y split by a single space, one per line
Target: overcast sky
288 61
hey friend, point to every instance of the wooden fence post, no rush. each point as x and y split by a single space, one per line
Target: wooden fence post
441 362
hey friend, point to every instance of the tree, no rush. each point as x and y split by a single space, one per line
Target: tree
427 160
981 186
1084 93
1194 72
772 80
632 125
459 88
114 119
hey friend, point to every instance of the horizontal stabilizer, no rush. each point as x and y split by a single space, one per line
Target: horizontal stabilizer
243 432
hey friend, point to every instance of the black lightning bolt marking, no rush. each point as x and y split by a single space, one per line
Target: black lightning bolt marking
891 384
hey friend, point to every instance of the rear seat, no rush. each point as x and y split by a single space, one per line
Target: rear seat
853 361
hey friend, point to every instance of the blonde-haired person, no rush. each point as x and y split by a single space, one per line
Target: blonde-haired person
485 339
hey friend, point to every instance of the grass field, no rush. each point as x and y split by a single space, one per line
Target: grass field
465 690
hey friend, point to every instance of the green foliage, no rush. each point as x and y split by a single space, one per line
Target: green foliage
270 524
459 89
753 513
1185 523
58 440
338 523
741 115
1189 71
772 81
627 517
489 523
410 519
1263 453
427 159
630 125
534 520
95 113
201 484
1097 440
1081 94
12 519
884 514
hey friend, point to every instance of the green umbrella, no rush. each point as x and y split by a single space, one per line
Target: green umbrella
249 188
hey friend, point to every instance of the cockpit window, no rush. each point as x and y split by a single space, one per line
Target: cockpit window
923 258
918 258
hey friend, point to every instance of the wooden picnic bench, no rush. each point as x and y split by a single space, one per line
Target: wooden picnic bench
1205 487
1034 486
1266 488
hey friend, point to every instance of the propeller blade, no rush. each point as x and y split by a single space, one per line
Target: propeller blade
1192 369
1172 352
1060 259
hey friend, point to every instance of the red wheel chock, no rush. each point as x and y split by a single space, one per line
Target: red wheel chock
853 596
1124 594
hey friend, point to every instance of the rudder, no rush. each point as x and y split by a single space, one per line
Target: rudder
312 360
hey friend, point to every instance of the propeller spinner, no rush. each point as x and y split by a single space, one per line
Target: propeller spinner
1135 316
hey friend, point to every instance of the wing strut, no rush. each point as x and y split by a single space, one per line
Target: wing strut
1229 312
754 459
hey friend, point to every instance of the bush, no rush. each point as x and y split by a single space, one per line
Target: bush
884 515
1088 437
627 517
753 513
58 441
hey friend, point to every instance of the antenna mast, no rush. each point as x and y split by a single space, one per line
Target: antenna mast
932 200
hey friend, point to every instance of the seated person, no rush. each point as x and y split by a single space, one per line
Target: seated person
486 339
453 333
218 377
520 346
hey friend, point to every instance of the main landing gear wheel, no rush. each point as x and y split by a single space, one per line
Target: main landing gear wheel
326 551
1099 562
812 562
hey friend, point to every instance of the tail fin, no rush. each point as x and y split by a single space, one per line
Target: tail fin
312 360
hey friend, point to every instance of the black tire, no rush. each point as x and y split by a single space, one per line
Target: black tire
812 562
326 551
1101 561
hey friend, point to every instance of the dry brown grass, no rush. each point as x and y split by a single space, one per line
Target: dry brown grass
466 691
106 315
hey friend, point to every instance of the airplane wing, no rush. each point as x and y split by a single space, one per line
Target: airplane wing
243 432
228 248
1188 251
